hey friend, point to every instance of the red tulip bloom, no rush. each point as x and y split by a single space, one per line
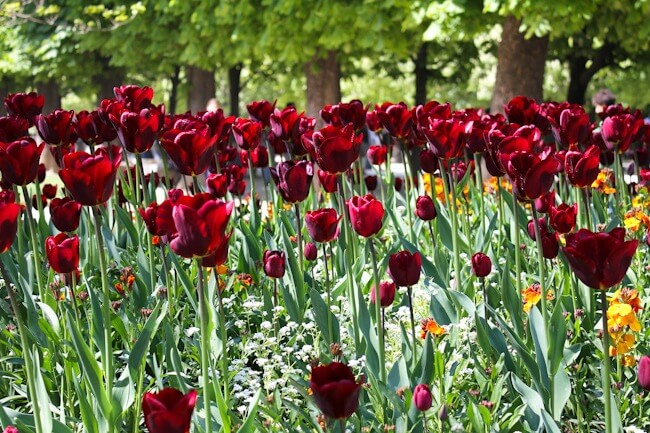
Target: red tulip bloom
397 120
90 177
343 113
428 161
137 131
192 151
158 218
293 179
600 260
550 245
377 154
398 183
572 127
19 160
217 184
481 265
27 105
322 224
260 157
200 223
404 268
93 130
531 175
425 209
311 251
12 128
65 213
62 253
563 217
335 390
274 263
134 98
335 149
422 398
446 137
328 181
247 133
619 131
261 111
371 182
521 110
57 128
10 429
582 168
386 293
168 411
366 215
544 202
643 372
9 211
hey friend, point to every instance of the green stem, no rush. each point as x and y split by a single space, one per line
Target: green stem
224 344
253 200
486 311
301 257
517 242
36 245
606 364
541 267
479 186
330 329
205 343
380 325
454 219
587 203
410 296
408 183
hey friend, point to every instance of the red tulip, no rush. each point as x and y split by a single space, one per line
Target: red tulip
398 182
261 111
138 131
600 260
397 120
168 411
425 208
92 128
27 105
62 253
19 160
619 131
158 218
386 293
220 126
260 157
335 149
49 191
57 128
192 151
422 398
90 177
428 161
283 122
544 202
322 224
572 127
371 182
343 113
274 263
377 154
550 245
247 133
404 268
134 98
481 265
9 211
12 128
521 110
366 215
446 137
217 184
293 179
200 223
10 429
563 217
531 175
582 168
65 213
643 372
311 251
328 181
335 390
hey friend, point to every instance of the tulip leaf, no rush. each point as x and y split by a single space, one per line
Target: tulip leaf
125 220
41 398
293 294
463 300
187 284
109 241
475 418
538 332
12 417
441 307
561 392
141 346
557 338
426 362
398 377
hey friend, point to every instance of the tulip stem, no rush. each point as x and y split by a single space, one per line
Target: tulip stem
205 341
224 343
329 299
541 267
378 308
107 354
621 186
410 296
36 245
408 182
585 197
606 364
299 237
253 201
479 186
27 354
517 242
486 311
454 220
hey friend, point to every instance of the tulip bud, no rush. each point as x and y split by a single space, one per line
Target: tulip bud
643 373
422 397
428 161
371 182
425 209
442 413
274 264
311 252
386 293
481 265
398 184
10 429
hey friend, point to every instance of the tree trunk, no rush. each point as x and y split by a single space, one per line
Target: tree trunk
202 88
108 78
234 86
52 94
421 75
173 94
520 68
323 83
577 82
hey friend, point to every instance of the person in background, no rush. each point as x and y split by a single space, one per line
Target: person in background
602 99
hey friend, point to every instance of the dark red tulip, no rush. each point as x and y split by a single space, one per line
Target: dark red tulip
582 169
10 429
65 213
260 157
219 256
9 211
404 268
335 390
563 217
322 224
311 251
446 137
428 161
521 110
531 175
386 293
397 120
328 181
220 126
335 149
373 122
247 133
422 398
425 209
19 160
398 183
90 177
93 129
619 131
550 245
366 215
283 122
192 151
27 105
377 154
12 128
572 127
49 191
371 182
62 253
544 202
293 179
643 372
600 260
343 113
134 98
481 265
261 111
274 263
138 131
200 223
57 128
158 218
217 184
168 411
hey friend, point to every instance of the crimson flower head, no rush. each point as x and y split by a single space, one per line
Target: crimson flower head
481 265
543 203
335 149
168 411
261 111
573 127
563 217
377 154
397 120
260 157
137 131
134 98
343 113
62 253
619 131
293 179
386 293
13 127
405 267
9 211
371 182
28 105
90 177
425 209
366 215
192 151
428 161
446 137
200 223
57 128
217 184
550 245
65 214
582 169
93 129
19 160
322 224
10 429
311 251
600 260
422 398
643 372
328 181
521 110
274 263
247 133
531 175
335 390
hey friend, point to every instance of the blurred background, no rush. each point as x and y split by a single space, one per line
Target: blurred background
312 52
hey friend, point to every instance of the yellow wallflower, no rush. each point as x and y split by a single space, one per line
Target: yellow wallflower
603 182
635 218
531 295
627 296
429 325
622 343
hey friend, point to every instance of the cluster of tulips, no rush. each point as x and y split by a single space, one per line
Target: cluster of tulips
536 146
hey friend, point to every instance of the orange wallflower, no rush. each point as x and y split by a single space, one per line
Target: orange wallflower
604 181
532 294
429 325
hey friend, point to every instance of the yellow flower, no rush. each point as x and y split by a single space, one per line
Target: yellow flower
603 181
621 315
531 295
628 361
622 343
627 296
429 325
635 218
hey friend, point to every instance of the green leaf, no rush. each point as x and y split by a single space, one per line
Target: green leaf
249 424
140 349
42 399
319 308
538 332
557 338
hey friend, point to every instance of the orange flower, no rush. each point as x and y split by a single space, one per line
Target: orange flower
429 325
603 182
531 295
627 296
